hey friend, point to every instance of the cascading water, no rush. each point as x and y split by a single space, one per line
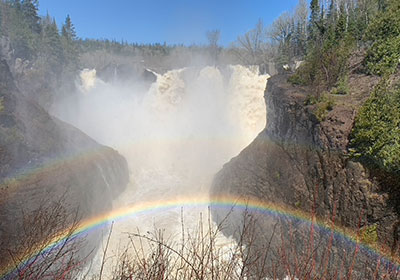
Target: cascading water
175 136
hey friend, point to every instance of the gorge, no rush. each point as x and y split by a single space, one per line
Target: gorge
275 155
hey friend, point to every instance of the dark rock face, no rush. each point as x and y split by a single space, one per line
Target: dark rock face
43 159
297 157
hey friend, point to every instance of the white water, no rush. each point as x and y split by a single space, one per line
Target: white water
175 137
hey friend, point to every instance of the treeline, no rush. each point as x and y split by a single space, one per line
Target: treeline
123 47
45 60
351 37
323 33
376 136
42 58
338 28
33 37
37 38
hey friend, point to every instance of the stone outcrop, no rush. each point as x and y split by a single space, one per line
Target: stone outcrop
43 160
298 157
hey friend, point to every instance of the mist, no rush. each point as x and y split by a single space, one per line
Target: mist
175 133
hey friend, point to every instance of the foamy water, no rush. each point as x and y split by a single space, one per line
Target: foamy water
175 137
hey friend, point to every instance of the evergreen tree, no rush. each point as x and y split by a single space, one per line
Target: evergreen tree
300 40
29 10
52 49
384 36
314 20
23 40
68 30
332 13
68 39
341 26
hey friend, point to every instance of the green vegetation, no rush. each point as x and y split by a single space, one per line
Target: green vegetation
336 31
325 65
369 235
311 100
46 58
1 105
333 34
326 40
383 57
342 86
30 35
375 139
277 175
49 59
371 27
323 104
376 134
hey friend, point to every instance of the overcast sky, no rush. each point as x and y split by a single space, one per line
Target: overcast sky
170 21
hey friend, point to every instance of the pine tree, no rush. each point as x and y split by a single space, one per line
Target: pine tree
301 16
29 10
341 26
23 40
301 39
68 39
314 20
332 12
68 30
52 49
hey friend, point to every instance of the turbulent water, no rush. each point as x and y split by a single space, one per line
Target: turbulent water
175 136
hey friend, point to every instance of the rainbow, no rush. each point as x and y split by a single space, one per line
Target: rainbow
22 176
19 179
226 202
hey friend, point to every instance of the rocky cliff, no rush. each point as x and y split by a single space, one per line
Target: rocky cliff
300 155
44 160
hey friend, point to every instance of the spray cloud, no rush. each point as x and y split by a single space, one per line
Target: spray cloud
175 135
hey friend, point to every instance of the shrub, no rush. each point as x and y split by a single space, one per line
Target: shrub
324 104
311 100
342 86
384 33
375 139
290 249
325 65
30 253
383 57
323 108
369 235
297 79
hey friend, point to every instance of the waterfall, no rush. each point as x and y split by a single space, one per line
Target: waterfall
175 136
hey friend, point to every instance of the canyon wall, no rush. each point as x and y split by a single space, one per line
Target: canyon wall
43 161
298 157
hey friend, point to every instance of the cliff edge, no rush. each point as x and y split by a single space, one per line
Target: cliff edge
44 160
300 155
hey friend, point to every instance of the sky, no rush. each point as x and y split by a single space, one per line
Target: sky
158 21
